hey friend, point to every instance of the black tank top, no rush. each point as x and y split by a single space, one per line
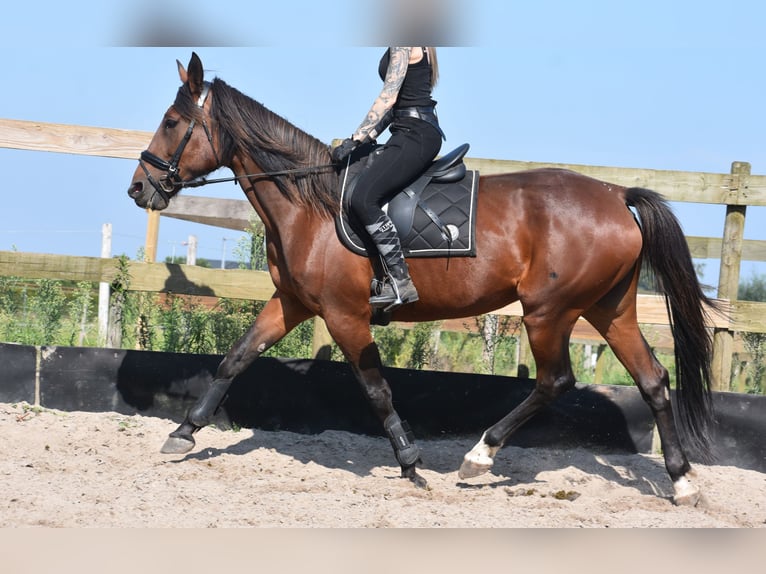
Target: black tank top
416 89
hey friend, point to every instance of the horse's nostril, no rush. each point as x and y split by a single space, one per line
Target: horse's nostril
135 189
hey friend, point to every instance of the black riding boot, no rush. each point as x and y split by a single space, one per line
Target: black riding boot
397 288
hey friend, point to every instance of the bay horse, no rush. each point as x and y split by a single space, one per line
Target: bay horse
563 244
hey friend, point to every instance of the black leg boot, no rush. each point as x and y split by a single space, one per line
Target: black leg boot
398 288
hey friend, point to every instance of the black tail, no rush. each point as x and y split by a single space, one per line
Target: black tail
667 255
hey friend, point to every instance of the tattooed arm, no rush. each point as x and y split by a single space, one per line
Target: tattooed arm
397 69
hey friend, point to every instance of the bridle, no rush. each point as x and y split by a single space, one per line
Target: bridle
172 180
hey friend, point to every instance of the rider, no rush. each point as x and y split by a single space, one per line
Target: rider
404 104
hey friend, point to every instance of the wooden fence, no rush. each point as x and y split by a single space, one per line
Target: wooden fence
736 190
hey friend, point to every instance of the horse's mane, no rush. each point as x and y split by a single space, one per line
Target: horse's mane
273 143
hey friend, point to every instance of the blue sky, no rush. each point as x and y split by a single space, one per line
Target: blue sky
653 84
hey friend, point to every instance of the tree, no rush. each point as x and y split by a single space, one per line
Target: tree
753 289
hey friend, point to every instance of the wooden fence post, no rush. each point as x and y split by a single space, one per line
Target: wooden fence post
191 250
103 286
728 279
598 375
322 342
523 353
152 235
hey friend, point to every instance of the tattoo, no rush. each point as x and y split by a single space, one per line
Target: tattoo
376 119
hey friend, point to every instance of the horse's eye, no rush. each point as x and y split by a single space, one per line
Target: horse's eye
170 124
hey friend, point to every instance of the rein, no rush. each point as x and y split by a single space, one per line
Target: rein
260 175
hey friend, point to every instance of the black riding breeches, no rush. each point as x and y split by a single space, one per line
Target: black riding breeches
412 147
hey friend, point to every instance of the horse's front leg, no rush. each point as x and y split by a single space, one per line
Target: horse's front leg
278 317
354 339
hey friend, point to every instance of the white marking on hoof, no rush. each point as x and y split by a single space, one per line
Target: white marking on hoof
478 460
686 493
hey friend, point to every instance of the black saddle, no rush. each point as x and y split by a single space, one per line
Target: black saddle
435 216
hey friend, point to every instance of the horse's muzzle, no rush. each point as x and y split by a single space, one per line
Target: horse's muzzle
145 196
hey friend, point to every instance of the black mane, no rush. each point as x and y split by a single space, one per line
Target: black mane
275 144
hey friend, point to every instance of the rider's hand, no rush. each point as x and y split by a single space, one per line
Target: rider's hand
342 151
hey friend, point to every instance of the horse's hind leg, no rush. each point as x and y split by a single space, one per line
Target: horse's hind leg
549 342
280 315
631 349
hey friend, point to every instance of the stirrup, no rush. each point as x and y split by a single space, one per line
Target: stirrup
389 294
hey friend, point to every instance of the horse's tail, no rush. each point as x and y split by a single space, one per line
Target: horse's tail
666 254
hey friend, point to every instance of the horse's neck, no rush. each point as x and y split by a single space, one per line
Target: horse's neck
279 215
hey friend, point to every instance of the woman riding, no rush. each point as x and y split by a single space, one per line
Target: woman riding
406 107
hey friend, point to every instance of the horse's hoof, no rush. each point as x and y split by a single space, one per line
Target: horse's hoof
478 460
415 478
686 493
687 500
471 468
177 445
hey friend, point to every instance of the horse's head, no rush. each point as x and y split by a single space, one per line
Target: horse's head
178 153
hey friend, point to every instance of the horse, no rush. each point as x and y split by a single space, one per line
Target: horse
563 244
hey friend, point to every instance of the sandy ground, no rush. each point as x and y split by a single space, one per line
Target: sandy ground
76 469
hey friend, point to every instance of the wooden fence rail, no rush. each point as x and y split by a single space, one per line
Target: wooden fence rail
257 286
682 186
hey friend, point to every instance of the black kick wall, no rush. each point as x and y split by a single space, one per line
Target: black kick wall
308 396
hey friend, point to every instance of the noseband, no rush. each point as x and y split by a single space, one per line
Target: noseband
168 184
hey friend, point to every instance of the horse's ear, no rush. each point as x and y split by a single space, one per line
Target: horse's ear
182 72
195 74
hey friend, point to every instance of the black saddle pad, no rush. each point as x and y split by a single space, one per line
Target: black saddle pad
438 220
